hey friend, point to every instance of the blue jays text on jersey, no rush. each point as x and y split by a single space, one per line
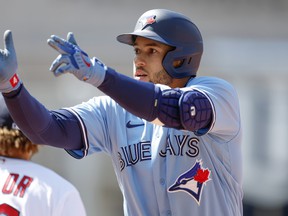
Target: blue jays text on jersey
132 154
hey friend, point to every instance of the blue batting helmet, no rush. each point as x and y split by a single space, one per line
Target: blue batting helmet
173 29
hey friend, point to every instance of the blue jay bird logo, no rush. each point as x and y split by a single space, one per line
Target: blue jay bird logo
147 21
192 181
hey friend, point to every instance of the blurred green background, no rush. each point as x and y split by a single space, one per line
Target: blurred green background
245 42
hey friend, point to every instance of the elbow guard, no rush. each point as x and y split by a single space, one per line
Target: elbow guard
190 110
195 110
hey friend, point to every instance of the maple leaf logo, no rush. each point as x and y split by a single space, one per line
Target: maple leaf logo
202 175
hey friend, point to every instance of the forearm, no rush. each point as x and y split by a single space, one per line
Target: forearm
137 97
40 125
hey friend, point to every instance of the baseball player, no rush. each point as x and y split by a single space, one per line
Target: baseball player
174 138
29 189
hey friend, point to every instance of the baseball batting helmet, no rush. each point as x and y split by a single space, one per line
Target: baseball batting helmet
173 29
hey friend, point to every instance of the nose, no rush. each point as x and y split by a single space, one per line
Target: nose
139 61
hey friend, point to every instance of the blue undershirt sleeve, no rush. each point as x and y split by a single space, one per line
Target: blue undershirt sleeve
58 128
137 97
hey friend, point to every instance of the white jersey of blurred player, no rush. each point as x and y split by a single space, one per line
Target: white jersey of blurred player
164 171
29 189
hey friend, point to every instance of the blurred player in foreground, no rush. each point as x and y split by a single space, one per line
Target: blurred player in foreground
27 188
174 138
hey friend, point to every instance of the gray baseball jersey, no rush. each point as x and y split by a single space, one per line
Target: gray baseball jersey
164 171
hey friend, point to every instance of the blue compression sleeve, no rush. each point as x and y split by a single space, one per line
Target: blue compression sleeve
58 128
137 97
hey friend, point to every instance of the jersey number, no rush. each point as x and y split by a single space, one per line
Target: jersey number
8 210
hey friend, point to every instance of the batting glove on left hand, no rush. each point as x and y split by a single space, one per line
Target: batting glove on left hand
9 80
74 60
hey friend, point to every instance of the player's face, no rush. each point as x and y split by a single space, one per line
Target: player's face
148 61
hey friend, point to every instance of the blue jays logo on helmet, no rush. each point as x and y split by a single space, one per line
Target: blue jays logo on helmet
147 21
192 181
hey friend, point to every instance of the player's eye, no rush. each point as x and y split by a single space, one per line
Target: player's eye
153 51
136 51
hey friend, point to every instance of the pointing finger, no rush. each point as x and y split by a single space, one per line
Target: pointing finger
71 38
61 45
55 46
8 41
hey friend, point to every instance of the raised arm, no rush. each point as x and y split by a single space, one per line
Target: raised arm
56 128
174 108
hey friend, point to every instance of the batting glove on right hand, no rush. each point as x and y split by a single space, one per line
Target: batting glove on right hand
75 61
9 80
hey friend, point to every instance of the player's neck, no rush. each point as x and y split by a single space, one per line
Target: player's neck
179 83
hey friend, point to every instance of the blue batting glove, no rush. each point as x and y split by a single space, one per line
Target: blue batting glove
9 80
75 61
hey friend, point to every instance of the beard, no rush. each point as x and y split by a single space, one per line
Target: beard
161 77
